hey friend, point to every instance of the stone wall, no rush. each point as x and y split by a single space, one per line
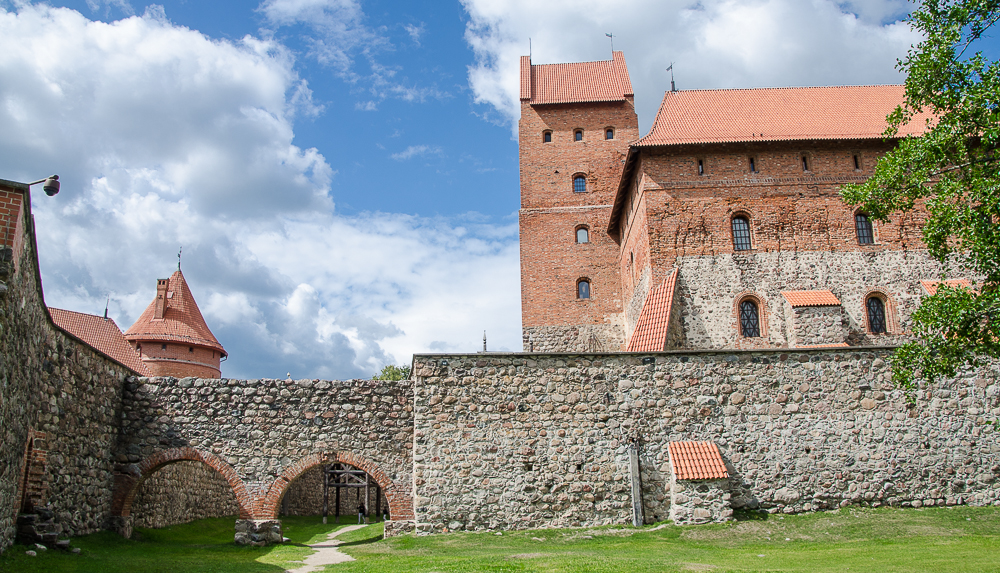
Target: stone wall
815 325
51 383
515 441
263 435
575 338
697 502
182 492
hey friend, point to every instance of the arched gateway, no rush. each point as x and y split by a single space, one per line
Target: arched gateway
260 435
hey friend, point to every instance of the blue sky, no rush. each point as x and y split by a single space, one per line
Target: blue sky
342 174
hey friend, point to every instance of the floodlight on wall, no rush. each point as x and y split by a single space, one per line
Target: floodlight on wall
50 185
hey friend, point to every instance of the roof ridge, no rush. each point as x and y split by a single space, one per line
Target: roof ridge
788 88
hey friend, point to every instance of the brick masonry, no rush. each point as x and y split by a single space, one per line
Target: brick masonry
520 441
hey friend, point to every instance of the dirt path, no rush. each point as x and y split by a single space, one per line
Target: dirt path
326 553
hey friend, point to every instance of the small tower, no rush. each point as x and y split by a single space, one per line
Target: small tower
171 336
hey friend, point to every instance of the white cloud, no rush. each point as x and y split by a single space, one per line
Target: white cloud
164 137
416 151
415 32
714 43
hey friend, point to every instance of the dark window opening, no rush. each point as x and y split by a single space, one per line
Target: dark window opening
582 235
579 467
578 135
527 466
701 167
805 163
163 347
876 315
190 349
863 226
749 319
583 290
547 137
579 184
857 164
609 134
741 234
753 165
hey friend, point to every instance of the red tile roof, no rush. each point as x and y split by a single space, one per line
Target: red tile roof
182 321
650 333
575 83
774 114
798 298
830 345
932 286
101 334
697 460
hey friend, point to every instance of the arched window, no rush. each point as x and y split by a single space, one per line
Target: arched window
582 235
546 137
876 315
749 319
578 135
609 133
863 226
583 289
579 184
741 233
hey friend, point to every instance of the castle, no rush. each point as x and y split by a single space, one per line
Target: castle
707 328
722 227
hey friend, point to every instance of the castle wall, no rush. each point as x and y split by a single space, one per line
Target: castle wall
305 497
515 441
180 493
55 387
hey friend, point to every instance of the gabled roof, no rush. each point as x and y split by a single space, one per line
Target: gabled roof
931 287
101 334
650 333
182 321
602 81
777 114
798 298
697 460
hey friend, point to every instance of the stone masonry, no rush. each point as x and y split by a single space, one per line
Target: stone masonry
182 492
521 441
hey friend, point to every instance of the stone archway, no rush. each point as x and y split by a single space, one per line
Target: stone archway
129 479
400 501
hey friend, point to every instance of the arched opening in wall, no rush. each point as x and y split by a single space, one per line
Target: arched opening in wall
751 318
582 234
740 225
864 229
336 490
880 313
583 289
397 496
181 492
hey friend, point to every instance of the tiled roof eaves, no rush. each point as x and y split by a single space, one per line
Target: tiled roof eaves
104 354
160 337
792 138
580 100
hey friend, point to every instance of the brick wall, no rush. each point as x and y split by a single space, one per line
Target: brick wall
180 360
552 262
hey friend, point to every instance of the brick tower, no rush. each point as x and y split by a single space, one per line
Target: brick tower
171 336
576 124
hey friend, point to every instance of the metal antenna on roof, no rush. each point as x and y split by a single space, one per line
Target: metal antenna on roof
673 87
529 48
179 258
484 341
106 305
612 36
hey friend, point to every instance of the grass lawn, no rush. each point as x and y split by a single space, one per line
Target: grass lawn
879 540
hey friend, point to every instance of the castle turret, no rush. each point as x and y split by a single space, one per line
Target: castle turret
171 336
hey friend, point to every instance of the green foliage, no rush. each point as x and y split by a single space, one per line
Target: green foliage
953 172
390 372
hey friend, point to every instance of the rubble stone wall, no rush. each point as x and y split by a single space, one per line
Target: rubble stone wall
811 325
182 492
515 441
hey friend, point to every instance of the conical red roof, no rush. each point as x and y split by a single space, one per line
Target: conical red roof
182 321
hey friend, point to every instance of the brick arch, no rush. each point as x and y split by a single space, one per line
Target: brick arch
127 483
400 500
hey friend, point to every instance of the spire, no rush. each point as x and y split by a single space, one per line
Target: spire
173 316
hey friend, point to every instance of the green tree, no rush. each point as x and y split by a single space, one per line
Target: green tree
390 372
952 171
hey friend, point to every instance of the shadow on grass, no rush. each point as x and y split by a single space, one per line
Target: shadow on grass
751 515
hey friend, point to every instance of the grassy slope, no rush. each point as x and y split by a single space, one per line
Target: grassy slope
883 540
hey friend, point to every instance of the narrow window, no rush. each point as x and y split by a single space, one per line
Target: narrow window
749 319
190 349
579 184
741 234
582 236
578 135
857 164
753 165
876 315
583 289
701 167
805 163
547 137
863 226
163 347
609 133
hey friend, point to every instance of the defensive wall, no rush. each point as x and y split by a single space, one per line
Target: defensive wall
521 441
